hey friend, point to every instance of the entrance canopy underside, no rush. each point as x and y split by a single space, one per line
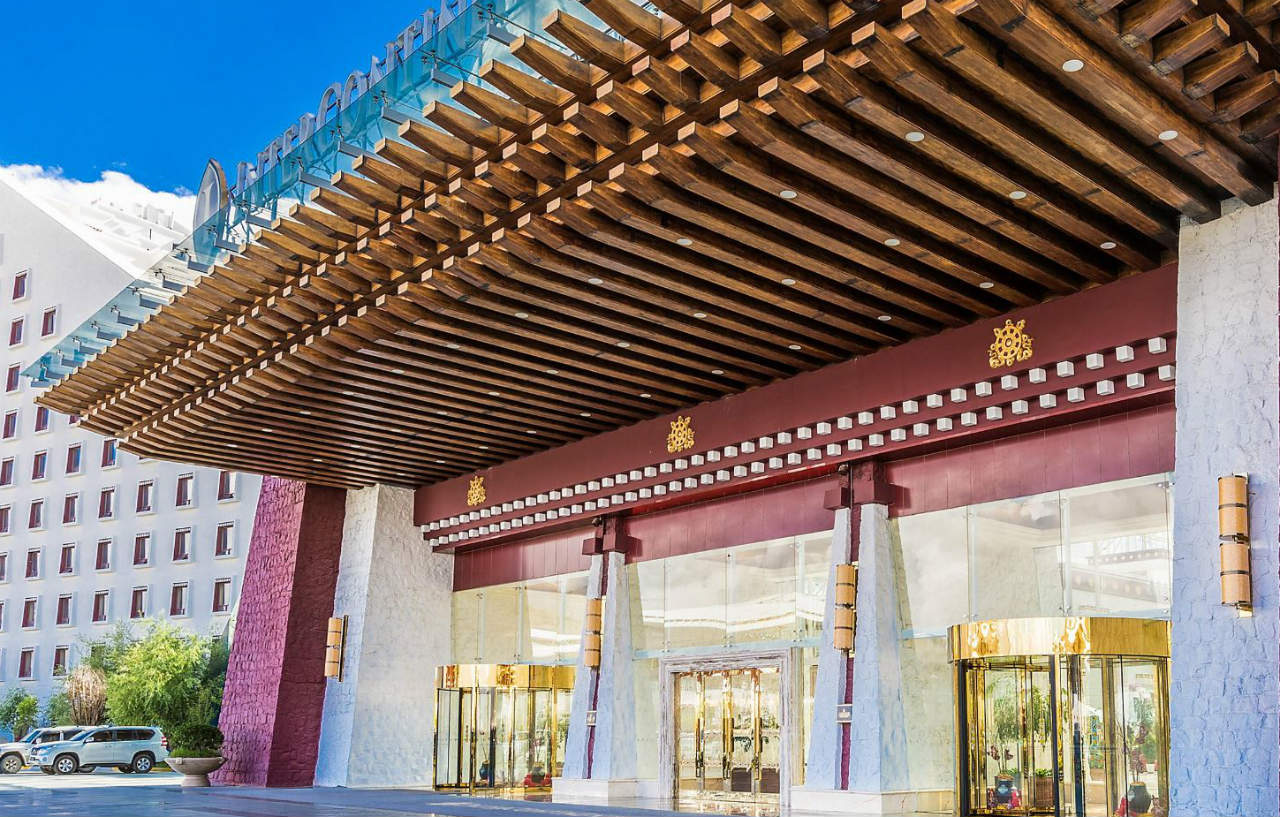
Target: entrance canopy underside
709 196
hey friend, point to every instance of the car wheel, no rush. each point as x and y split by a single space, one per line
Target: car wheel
65 764
47 769
86 769
125 769
11 764
143 762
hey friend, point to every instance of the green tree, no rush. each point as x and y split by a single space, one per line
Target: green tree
161 679
57 711
104 654
18 711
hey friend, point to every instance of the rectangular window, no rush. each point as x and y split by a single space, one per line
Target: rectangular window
178 600
27 663
64 610
29 610
35 516
20 285
42 418
60 661
138 603
10 424
15 331
100 601
73 420
6 471
107 503
4 567
144 497
221 595
182 545
226 485
67 560
39 465
4 518
1 620
73 459
33 564
11 380
184 494
48 321
108 453
71 509
224 543
102 558
142 549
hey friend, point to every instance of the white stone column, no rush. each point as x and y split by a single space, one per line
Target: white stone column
1224 684
377 727
611 772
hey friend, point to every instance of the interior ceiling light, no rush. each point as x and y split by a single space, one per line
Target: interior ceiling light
1167 135
622 344
788 282
795 347
884 317
439 462
1108 245
522 314
530 431
493 394
349 393
553 371
985 285
452 346
684 242
699 314
891 242
645 395
787 194
914 136
1017 195
717 371
584 414
595 280
1071 66
484 448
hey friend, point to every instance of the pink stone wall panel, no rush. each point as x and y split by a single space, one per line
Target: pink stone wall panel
275 685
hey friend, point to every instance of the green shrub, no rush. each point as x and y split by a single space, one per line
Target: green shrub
196 740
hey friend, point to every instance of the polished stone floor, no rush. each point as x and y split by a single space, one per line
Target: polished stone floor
158 795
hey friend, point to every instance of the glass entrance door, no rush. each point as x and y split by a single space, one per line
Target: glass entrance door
1013 752
728 734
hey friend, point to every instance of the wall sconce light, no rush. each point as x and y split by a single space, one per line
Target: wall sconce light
846 614
334 646
591 642
1233 542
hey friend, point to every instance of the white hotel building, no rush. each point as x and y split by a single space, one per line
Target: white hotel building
89 535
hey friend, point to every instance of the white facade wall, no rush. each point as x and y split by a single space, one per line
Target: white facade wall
67 273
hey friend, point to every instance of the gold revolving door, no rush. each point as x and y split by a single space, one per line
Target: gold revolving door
1062 716
501 727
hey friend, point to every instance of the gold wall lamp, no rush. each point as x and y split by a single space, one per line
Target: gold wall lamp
1233 542
591 641
846 612
335 644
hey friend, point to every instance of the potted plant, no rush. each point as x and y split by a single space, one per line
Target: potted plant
197 751
1042 794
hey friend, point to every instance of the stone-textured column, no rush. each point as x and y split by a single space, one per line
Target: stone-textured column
584 678
397 597
1225 670
275 680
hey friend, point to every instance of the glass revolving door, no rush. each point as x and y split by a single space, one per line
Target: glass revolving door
1062 716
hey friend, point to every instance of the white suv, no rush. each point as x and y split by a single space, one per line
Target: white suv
128 748
15 755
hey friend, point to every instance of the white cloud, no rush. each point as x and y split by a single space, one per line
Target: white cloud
113 189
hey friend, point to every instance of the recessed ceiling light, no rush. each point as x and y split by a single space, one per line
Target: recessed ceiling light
891 242
553 371
522 314
985 285
1108 245
317 459
595 280
717 371
584 414
699 315
795 347
622 344
1073 65
349 393
530 431
884 317
439 462
914 136
1167 135
645 395
267 430
493 394
684 242
788 282
442 411
305 411
484 448
787 194
397 371
1017 195
232 445
452 346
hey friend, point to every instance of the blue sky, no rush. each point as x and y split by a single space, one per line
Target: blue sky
154 89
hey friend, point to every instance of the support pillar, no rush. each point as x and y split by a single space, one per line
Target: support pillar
860 765
378 722
600 761
1224 669
274 691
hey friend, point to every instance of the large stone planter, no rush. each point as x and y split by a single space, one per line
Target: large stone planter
195 770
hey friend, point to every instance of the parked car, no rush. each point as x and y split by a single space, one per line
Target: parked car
128 748
17 754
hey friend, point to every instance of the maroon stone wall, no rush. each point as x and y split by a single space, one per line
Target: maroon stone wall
275 680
